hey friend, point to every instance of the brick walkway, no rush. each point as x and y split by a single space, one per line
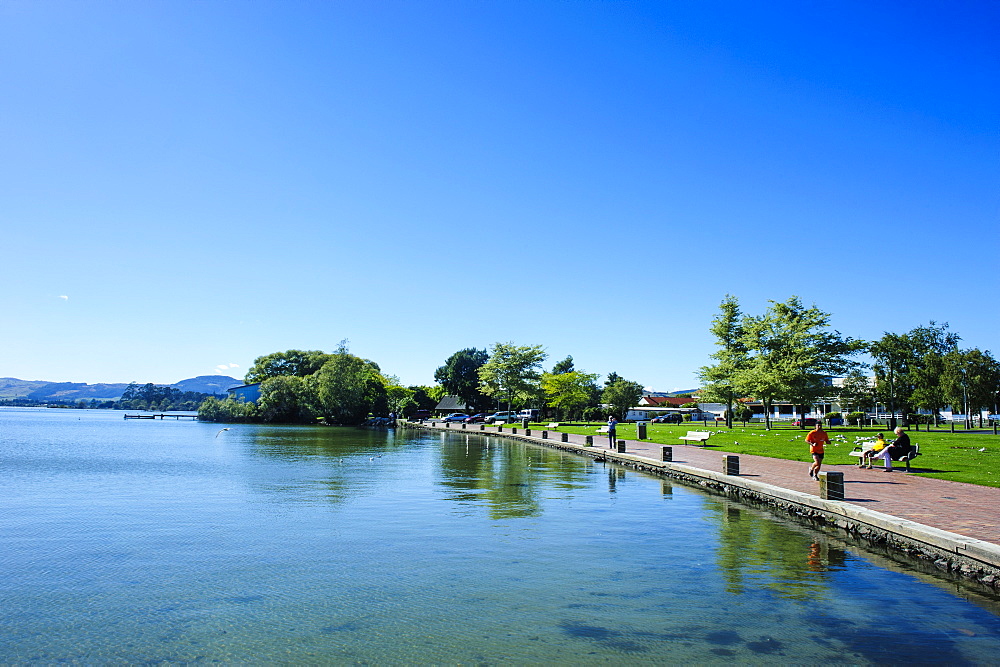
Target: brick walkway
965 509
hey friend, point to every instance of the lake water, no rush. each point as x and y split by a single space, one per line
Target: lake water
172 541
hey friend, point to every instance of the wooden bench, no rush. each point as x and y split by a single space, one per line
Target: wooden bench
697 436
861 450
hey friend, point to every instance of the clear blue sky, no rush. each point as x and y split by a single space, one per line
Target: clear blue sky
189 185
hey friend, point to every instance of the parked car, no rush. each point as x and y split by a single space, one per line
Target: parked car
672 418
530 415
809 421
420 414
455 417
501 417
475 418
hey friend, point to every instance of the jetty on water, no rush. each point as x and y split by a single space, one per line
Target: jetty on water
161 416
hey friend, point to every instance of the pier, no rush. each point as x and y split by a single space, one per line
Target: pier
161 416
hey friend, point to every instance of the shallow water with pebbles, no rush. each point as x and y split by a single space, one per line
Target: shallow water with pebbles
170 541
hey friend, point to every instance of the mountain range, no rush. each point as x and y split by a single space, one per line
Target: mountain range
43 390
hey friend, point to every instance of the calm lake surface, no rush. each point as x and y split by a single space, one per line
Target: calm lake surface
170 541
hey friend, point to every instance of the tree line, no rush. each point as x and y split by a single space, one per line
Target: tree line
135 397
508 376
307 386
790 353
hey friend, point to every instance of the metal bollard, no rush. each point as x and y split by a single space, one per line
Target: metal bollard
545 435
564 437
731 464
588 441
666 453
447 424
621 446
527 431
831 485
463 426
513 430
482 427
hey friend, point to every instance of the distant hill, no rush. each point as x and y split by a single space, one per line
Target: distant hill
208 384
41 390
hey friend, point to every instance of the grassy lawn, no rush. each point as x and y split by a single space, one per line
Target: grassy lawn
943 454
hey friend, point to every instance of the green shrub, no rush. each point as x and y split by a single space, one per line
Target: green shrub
855 418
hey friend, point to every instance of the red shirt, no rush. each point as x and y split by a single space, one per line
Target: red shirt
816 440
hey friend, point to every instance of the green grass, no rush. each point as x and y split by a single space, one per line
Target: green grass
944 455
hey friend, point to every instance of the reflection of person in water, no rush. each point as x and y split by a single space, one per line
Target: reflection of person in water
815 559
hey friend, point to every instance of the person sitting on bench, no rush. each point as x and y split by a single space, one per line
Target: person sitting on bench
899 448
867 456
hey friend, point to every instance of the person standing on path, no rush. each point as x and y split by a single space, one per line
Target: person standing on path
612 423
817 438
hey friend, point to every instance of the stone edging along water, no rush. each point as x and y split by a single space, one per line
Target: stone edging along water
950 552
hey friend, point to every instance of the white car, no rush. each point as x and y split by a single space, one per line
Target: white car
502 417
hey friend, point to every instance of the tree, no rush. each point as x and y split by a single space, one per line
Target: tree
424 398
970 379
792 354
291 362
611 379
348 388
905 364
512 371
287 399
399 398
568 391
731 358
620 396
460 376
564 366
856 392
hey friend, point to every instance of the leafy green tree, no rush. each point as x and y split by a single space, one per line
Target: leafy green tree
287 399
856 392
792 354
731 357
564 366
228 410
460 376
399 398
300 363
424 398
905 364
620 396
568 391
348 388
611 379
512 371
970 378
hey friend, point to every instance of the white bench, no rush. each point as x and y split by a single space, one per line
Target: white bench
697 436
862 450
602 429
553 426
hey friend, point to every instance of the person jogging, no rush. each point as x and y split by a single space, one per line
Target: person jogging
817 438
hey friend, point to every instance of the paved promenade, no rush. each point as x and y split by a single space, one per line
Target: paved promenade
965 509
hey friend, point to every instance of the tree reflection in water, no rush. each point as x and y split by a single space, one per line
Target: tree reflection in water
506 475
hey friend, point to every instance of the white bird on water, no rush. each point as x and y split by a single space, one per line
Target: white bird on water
221 430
